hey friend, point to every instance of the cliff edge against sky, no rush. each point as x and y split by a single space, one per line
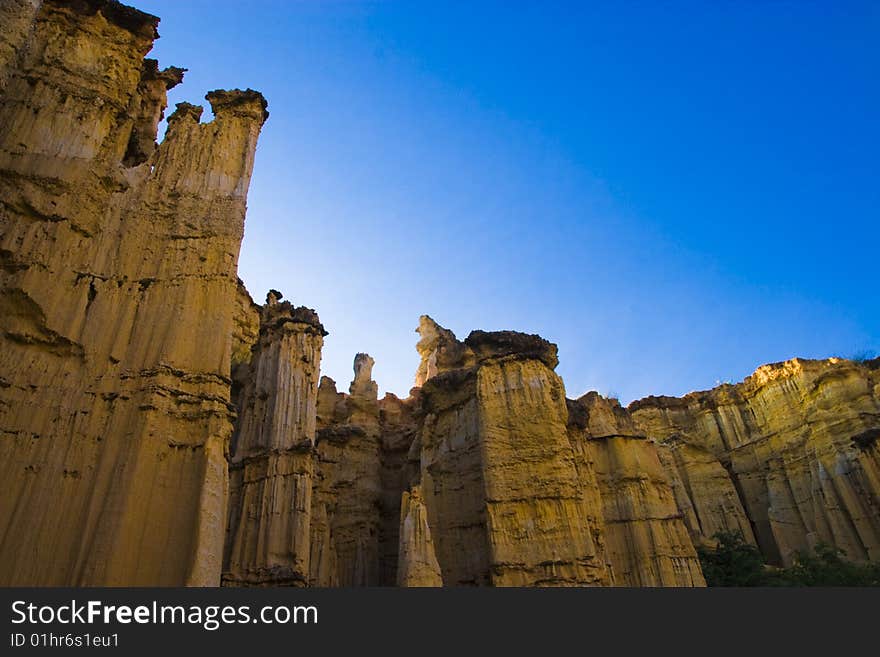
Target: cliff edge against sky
157 427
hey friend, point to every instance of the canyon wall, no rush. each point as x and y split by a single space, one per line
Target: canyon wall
645 529
488 475
789 456
271 465
519 489
118 285
498 471
485 475
348 490
157 427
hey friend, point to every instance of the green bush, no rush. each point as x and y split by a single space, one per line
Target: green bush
827 567
733 562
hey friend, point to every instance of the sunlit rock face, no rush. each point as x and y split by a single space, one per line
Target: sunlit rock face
157 427
643 528
118 293
790 454
439 350
497 473
418 560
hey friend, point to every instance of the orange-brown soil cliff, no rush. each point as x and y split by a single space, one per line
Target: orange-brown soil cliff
157 427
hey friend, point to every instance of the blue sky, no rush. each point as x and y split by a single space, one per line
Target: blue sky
674 193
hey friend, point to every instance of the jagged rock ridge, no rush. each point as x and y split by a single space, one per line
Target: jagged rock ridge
159 427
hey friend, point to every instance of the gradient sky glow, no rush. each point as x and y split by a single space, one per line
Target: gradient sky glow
674 193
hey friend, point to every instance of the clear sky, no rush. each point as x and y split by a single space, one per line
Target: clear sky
674 193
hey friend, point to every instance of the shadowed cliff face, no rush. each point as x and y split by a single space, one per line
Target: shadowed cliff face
157 427
118 286
271 461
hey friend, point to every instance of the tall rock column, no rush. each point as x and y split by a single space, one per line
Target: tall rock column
538 510
417 565
117 291
498 475
448 467
272 464
348 493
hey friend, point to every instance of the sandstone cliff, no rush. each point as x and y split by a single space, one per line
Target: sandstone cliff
523 487
349 489
645 529
117 295
789 456
157 427
272 461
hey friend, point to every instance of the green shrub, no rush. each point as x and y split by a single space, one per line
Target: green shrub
733 562
826 567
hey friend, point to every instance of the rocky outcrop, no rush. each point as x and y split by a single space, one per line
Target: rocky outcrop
399 424
18 20
348 487
789 453
245 326
439 350
272 462
642 526
704 492
497 472
418 561
117 293
646 539
362 474
157 427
